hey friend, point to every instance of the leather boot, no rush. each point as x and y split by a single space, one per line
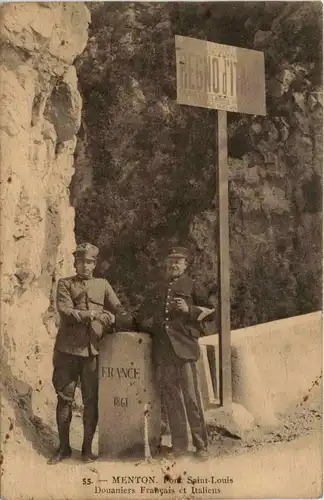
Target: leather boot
89 427
63 419
87 455
59 455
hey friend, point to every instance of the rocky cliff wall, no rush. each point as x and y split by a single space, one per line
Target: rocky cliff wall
40 116
146 177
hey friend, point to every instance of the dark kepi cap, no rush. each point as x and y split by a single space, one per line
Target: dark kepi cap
86 251
178 252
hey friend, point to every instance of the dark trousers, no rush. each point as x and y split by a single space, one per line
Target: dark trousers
180 394
68 370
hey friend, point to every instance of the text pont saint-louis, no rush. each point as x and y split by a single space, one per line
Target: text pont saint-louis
194 485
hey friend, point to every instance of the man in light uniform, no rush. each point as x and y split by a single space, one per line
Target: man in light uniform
88 308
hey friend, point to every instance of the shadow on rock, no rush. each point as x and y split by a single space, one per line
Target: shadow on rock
18 393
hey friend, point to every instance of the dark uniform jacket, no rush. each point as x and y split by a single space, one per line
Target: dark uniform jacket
158 317
77 334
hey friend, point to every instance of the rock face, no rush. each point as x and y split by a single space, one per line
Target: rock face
149 180
40 115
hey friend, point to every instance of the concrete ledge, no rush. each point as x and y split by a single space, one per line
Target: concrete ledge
274 364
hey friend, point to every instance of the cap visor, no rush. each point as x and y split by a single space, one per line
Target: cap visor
78 255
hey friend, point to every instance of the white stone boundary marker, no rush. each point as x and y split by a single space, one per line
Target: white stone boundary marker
129 400
226 78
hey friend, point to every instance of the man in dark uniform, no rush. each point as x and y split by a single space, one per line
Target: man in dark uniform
88 308
171 316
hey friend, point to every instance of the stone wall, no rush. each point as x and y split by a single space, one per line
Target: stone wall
40 116
274 365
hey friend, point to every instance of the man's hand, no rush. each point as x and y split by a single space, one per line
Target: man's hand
106 318
83 316
147 323
181 305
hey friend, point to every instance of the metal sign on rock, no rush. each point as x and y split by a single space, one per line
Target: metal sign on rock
212 75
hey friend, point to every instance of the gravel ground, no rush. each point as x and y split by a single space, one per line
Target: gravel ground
301 419
283 462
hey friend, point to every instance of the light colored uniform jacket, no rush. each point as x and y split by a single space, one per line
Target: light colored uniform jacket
77 334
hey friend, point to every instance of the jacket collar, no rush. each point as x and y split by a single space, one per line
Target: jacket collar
78 278
180 280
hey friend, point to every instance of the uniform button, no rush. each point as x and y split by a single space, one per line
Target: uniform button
167 310
167 318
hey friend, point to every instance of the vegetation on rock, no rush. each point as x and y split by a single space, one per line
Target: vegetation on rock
150 163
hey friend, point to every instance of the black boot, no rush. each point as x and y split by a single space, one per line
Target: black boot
63 419
87 455
90 418
59 455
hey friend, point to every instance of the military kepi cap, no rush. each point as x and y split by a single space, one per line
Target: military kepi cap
86 251
179 252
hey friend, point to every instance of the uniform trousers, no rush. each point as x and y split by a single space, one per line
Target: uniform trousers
180 394
68 370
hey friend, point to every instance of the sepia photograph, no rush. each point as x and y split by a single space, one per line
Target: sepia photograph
161 250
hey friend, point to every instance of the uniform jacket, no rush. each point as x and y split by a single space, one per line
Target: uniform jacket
77 334
158 317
